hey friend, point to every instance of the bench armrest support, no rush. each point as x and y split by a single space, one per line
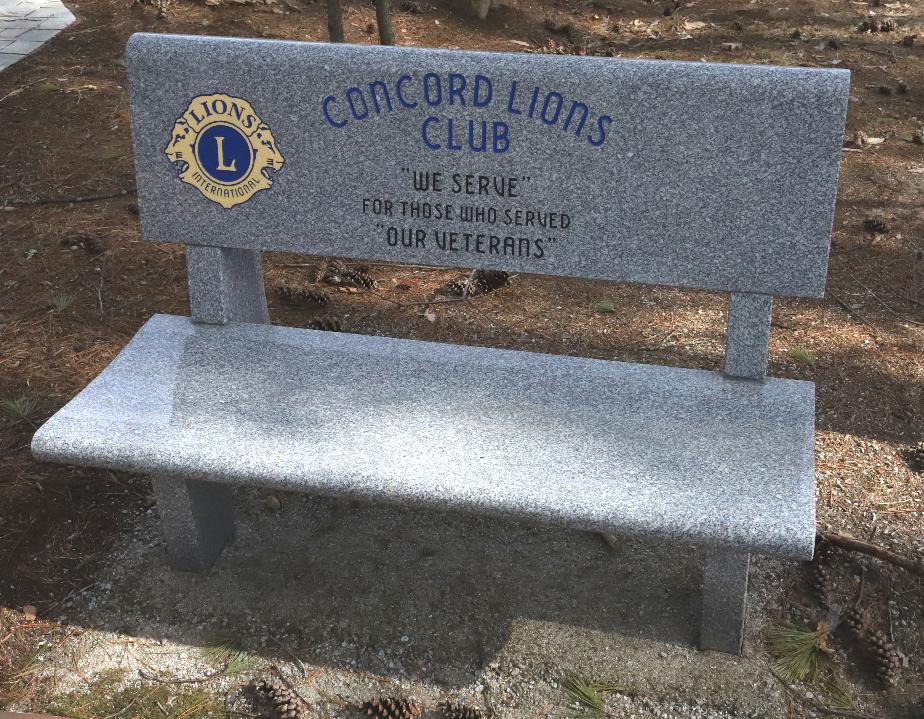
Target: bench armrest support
747 342
226 285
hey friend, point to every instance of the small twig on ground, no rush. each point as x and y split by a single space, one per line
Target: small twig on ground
468 284
664 338
292 656
67 200
196 680
915 566
891 620
443 301
404 266
853 313
817 706
887 53
496 322
18 90
99 292
782 325
861 588
887 308
129 706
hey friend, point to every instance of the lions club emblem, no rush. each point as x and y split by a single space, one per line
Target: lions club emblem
224 149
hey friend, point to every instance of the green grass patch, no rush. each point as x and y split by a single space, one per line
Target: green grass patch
48 88
61 302
800 657
19 408
795 652
589 694
802 356
226 650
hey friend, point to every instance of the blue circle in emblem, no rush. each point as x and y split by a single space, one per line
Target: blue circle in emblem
224 153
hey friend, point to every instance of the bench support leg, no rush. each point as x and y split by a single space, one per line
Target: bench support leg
197 519
725 589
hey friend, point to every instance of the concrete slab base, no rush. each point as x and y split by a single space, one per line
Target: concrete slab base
26 25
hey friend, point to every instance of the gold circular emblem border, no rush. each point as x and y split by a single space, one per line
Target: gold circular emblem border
181 150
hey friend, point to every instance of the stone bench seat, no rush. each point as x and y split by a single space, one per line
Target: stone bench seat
651 451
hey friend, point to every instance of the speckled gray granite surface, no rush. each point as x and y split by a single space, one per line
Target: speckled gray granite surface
226 285
692 174
658 452
747 339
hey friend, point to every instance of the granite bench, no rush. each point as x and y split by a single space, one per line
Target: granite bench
720 177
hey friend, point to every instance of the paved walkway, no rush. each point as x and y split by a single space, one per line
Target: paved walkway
26 25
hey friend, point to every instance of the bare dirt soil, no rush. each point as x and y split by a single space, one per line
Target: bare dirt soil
76 282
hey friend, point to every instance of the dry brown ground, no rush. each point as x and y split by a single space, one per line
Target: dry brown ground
65 133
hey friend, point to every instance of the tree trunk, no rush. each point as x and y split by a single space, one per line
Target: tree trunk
383 18
335 21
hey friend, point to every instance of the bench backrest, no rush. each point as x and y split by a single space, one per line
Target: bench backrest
685 174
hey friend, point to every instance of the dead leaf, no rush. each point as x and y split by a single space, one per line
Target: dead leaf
430 315
30 612
693 24
732 46
611 541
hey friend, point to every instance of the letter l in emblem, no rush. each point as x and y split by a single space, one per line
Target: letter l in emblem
219 140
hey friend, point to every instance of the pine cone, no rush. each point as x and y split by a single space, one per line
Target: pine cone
338 274
457 288
458 710
889 663
300 295
822 585
285 703
915 457
877 225
824 550
391 708
360 279
490 280
853 618
326 324
482 282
